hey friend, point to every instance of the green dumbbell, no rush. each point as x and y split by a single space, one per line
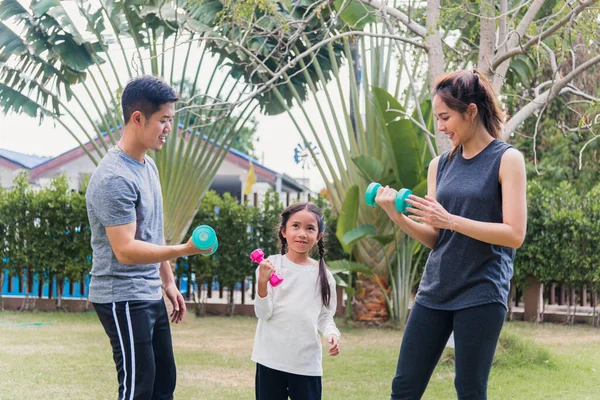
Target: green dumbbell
204 237
401 196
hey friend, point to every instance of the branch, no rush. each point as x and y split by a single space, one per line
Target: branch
498 71
398 15
292 63
552 56
543 99
583 148
419 124
528 18
520 49
414 90
577 92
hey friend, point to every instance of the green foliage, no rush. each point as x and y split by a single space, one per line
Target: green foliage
561 244
44 231
260 27
231 221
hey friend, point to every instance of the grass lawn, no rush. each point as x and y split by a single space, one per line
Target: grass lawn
67 356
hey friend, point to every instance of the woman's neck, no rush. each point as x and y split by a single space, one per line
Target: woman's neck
479 141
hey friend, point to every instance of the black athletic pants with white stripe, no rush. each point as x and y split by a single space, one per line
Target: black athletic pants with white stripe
140 337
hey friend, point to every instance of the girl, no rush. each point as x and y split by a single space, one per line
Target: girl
287 349
474 217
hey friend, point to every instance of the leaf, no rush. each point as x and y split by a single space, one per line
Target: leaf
338 266
11 8
355 14
358 233
16 102
384 240
370 168
348 216
41 7
10 43
421 189
402 139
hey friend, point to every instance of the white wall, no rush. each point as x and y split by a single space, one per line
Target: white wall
8 175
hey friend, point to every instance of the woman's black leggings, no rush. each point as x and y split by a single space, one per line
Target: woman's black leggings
476 332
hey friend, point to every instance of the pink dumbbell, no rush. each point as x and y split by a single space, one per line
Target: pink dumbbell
258 256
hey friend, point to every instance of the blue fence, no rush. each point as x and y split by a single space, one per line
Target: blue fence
15 286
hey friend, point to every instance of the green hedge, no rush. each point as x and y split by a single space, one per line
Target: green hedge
46 232
563 237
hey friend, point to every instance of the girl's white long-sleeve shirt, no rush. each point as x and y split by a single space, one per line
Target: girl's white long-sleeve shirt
290 317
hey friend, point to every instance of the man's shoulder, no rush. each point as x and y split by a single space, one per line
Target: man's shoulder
110 179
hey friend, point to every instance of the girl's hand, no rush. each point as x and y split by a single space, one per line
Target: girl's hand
428 211
265 271
334 341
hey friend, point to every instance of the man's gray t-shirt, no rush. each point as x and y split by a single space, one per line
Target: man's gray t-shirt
123 190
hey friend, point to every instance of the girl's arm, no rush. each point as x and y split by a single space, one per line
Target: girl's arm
510 232
326 324
426 234
263 303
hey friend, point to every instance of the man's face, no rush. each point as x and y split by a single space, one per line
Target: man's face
154 130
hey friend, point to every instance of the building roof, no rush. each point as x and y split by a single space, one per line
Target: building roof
25 160
41 165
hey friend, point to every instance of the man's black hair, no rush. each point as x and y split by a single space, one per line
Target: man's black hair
146 94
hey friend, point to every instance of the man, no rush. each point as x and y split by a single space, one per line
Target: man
125 209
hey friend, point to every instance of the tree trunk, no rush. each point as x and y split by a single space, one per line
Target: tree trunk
1 289
435 62
60 287
511 301
369 302
230 301
487 37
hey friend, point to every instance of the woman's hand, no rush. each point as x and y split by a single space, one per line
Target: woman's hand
386 198
428 211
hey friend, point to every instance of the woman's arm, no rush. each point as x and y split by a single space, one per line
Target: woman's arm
386 198
510 232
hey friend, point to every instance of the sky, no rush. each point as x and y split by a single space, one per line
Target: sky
275 147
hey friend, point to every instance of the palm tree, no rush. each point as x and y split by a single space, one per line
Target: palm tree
53 69
364 135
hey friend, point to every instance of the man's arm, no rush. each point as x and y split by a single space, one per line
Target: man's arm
128 250
172 293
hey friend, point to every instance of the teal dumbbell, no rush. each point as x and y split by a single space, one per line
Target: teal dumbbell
401 204
204 237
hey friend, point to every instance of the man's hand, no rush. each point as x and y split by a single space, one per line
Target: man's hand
191 248
177 301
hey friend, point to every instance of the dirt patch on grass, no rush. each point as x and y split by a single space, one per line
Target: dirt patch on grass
566 340
218 375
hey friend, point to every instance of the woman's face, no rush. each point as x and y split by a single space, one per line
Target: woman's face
458 127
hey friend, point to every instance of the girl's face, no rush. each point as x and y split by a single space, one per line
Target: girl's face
301 232
458 127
